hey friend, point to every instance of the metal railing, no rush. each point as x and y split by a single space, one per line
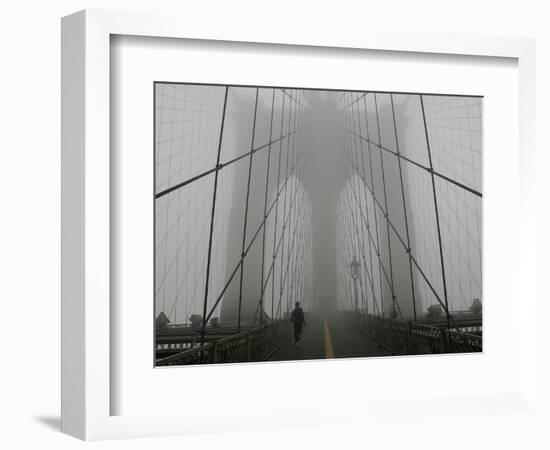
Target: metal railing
402 337
254 344
176 339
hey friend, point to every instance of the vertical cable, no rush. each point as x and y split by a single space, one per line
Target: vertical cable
436 213
168 201
265 209
361 179
292 209
355 219
386 212
283 232
212 216
274 255
408 249
379 254
368 224
243 254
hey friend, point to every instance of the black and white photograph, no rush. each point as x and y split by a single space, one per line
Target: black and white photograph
304 224
275 225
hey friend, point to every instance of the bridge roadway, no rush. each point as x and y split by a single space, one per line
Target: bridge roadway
329 337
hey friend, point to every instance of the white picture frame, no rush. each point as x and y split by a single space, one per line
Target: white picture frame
86 218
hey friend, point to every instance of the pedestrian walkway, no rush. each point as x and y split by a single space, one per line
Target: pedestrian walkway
324 338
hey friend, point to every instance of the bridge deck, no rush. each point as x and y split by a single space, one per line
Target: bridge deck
329 338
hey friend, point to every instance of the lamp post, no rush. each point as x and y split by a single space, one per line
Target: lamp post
354 271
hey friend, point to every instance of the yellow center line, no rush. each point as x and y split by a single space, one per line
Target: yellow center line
329 352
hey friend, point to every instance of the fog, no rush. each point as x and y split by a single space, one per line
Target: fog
307 182
323 180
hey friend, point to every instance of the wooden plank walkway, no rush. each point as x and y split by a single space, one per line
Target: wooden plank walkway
324 338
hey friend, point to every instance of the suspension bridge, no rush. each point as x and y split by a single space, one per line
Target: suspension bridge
364 207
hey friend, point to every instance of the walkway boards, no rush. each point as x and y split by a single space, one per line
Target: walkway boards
329 338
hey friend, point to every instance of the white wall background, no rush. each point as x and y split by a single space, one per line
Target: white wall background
30 186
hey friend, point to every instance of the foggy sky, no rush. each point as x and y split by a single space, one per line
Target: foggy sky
182 231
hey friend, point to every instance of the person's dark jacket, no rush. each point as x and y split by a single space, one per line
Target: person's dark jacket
298 316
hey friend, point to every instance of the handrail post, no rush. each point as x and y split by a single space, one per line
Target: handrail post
215 352
248 339
266 331
370 327
443 339
409 338
391 335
